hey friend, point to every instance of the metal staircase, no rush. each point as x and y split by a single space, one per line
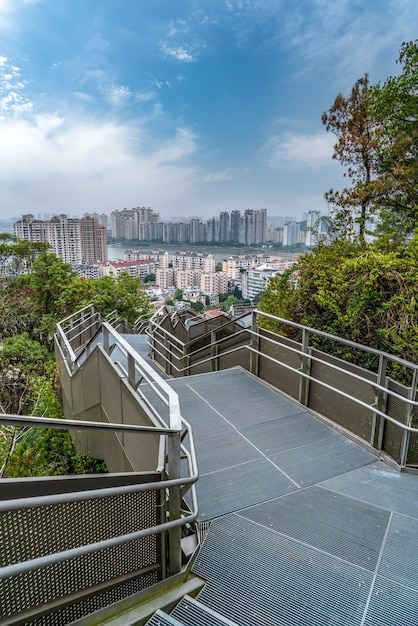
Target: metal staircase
190 612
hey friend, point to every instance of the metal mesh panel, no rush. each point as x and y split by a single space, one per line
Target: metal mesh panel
241 357
36 532
273 373
98 601
342 410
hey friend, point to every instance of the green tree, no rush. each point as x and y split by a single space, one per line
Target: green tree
124 294
394 105
350 121
368 295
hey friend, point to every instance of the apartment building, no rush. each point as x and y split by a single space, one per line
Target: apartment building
214 283
184 279
165 277
255 280
125 223
237 263
194 261
73 240
93 240
136 269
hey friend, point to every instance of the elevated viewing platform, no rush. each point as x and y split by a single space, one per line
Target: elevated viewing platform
299 517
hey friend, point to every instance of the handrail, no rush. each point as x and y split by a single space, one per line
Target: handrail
375 385
160 344
191 341
93 494
341 340
156 382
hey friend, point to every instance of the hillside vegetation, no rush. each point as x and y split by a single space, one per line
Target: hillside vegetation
361 283
31 305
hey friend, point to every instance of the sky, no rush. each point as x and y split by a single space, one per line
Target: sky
190 107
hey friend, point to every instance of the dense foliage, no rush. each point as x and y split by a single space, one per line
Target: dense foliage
354 285
31 304
366 295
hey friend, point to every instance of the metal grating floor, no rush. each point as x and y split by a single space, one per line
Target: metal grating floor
309 528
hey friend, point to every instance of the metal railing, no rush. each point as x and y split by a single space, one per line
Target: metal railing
75 331
364 399
72 521
60 561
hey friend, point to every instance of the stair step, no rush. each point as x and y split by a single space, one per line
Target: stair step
162 619
137 609
191 612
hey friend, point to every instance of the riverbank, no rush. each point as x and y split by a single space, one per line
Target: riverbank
117 251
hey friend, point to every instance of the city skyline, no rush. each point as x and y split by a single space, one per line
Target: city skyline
192 108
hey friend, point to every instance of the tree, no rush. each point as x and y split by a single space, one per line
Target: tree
394 105
350 121
124 294
23 382
367 295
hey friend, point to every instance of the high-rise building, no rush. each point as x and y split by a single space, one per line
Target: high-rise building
224 227
255 224
235 226
30 228
64 236
291 233
312 228
73 240
93 240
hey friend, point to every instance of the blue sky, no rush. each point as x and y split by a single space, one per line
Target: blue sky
191 107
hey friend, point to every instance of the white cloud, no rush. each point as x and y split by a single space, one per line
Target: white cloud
180 53
217 177
54 164
292 150
12 98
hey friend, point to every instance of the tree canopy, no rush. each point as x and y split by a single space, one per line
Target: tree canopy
376 128
354 285
31 304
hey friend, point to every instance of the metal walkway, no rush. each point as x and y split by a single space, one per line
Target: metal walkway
309 528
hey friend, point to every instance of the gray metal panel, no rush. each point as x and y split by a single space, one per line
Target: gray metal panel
392 605
287 433
162 619
237 487
220 450
335 524
379 485
256 576
399 562
323 459
239 396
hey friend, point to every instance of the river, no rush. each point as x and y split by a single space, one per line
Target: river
115 252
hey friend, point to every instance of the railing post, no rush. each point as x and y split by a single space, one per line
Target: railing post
255 345
105 339
174 503
186 361
305 368
131 370
380 403
214 349
167 356
409 417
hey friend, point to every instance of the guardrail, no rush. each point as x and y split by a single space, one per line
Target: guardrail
88 557
368 402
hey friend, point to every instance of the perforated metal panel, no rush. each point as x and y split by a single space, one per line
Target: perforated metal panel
35 532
